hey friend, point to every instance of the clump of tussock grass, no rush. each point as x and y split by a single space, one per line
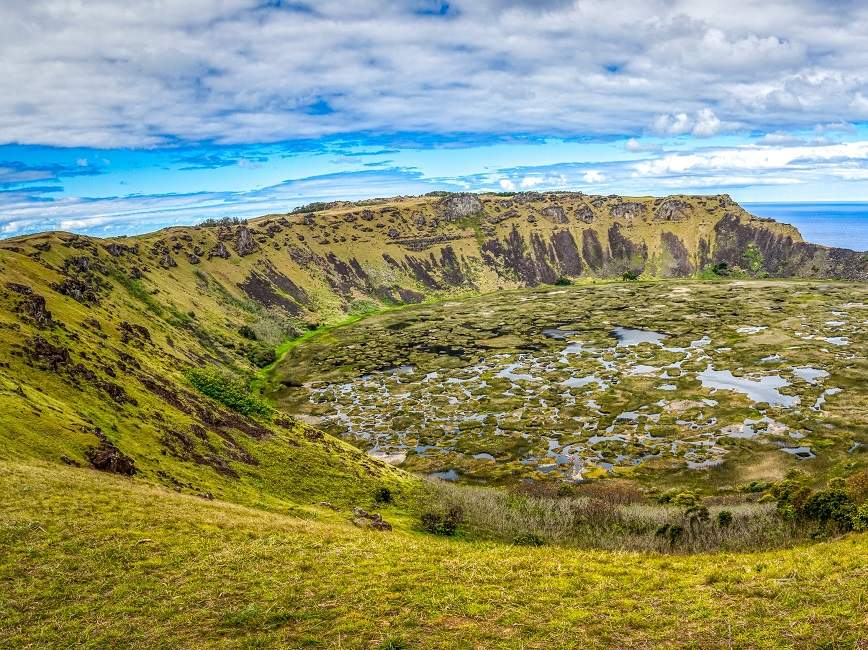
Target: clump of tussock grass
613 517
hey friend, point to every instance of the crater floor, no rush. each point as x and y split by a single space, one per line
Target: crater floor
723 381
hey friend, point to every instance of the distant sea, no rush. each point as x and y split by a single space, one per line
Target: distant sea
831 224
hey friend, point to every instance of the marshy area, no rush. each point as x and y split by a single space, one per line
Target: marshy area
702 384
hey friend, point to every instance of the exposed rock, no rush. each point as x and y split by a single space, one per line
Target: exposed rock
678 262
592 250
131 331
31 305
629 211
555 214
672 210
116 250
106 457
244 244
192 258
460 205
419 219
585 214
567 253
219 250
45 355
373 521
167 261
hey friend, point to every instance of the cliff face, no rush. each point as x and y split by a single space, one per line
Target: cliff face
95 334
400 250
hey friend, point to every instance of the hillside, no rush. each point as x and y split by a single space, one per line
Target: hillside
218 519
95 561
97 333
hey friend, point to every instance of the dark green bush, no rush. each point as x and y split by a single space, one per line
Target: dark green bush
229 391
724 518
528 539
262 356
247 332
442 522
383 495
563 282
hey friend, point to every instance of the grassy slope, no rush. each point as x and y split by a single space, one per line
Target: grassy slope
97 561
75 568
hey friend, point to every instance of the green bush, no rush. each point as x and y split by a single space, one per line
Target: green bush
563 282
860 518
261 356
724 518
247 332
442 522
229 391
383 495
528 539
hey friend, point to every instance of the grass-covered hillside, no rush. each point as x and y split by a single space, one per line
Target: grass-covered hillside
154 495
95 561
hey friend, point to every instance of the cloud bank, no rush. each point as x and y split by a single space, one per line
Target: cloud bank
162 72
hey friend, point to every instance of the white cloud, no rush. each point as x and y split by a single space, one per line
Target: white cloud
108 74
703 124
593 176
507 185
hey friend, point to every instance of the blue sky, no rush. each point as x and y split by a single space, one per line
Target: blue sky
120 118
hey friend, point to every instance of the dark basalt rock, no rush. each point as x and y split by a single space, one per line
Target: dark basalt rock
244 243
625 254
117 250
782 255
31 305
679 262
133 331
167 261
592 250
567 253
219 250
585 214
373 521
555 214
192 258
672 210
45 355
629 211
106 457
460 205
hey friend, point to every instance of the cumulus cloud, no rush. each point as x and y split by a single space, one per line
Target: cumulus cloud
703 124
100 74
593 176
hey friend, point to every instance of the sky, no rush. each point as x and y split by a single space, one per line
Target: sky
121 118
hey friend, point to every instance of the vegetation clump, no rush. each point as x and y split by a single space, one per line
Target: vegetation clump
229 391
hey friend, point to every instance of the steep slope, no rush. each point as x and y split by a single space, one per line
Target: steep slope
97 335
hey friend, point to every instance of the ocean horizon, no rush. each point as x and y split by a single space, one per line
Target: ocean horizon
843 224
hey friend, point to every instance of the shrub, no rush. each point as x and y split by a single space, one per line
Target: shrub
686 499
247 332
724 518
229 391
860 518
563 282
442 522
261 356
528 539
383 495
830 505
630 275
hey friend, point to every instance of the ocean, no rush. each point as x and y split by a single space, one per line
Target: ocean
831 224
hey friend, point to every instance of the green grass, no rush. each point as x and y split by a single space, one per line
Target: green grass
90 560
